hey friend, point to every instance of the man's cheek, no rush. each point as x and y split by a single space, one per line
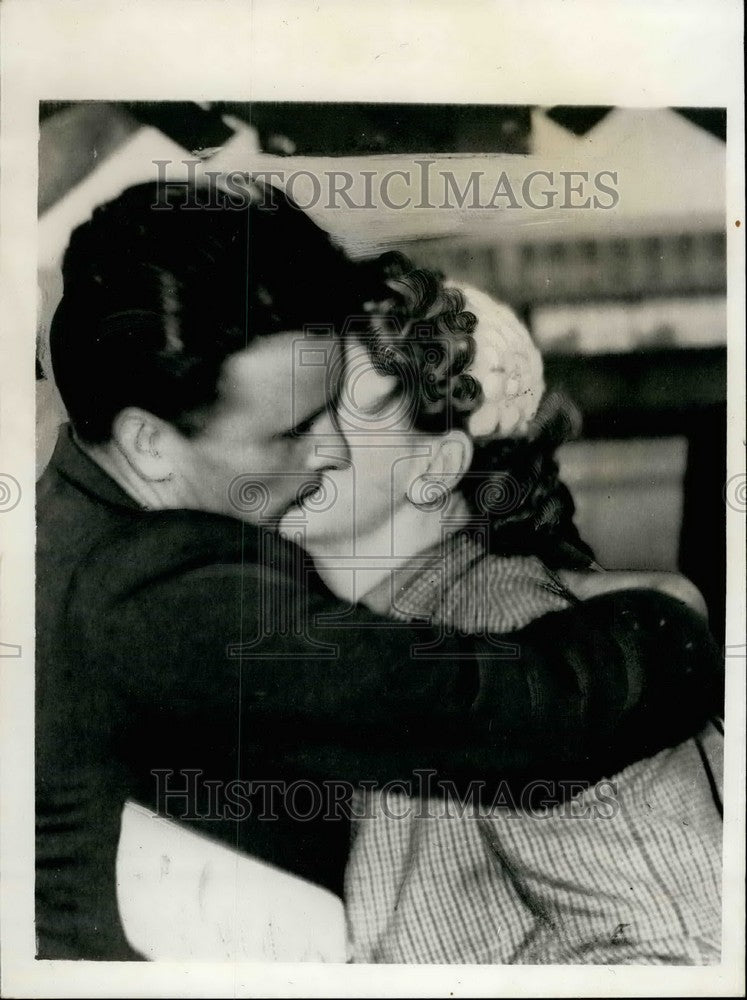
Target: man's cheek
302 453
277 456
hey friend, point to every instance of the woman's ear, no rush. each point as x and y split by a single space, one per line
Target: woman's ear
141 439
451 459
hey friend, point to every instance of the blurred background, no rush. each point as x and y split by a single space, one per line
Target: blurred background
627 300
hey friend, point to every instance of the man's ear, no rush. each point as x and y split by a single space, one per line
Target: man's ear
143 440
451 459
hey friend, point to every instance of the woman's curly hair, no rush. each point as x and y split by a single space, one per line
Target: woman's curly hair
421 332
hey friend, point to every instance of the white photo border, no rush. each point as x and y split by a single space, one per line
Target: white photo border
625 53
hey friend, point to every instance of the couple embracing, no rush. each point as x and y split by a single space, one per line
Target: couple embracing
440 612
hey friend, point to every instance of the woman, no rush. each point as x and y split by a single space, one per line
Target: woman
450 509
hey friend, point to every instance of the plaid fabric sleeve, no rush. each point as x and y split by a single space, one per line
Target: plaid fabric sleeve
626 872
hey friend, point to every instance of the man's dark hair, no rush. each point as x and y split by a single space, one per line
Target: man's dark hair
162 284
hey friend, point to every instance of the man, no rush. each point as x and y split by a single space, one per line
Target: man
177 633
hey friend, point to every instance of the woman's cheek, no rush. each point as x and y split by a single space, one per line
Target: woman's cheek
371 500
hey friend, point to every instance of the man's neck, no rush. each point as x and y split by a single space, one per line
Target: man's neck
148 494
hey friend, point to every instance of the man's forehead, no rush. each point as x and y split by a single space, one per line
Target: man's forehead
279 367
